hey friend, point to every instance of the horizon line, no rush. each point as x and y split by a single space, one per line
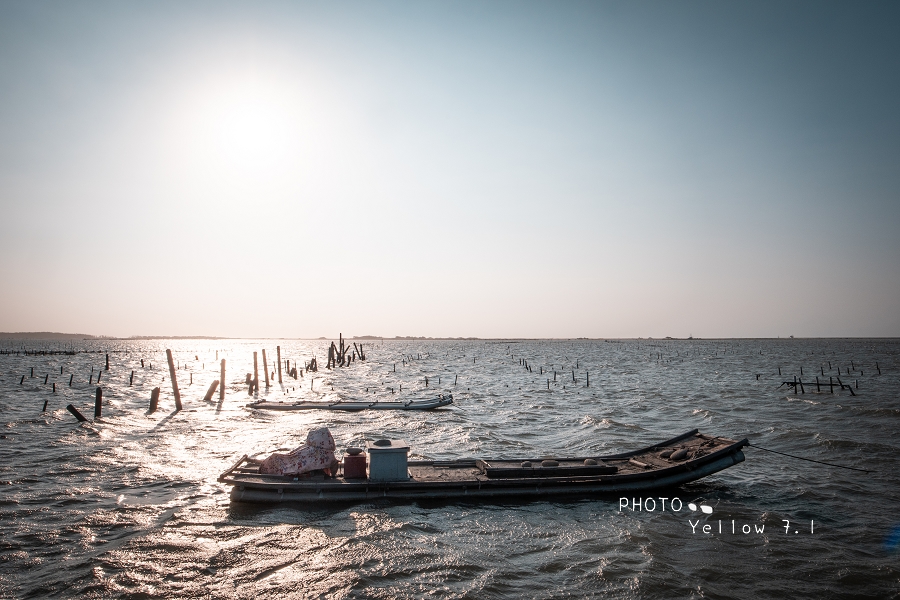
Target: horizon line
59 336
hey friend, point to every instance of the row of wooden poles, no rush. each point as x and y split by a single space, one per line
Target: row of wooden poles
72 375
587 374
253 380
90 376
837 368
799 382
38 352
98 398
154 394
218 384
339 355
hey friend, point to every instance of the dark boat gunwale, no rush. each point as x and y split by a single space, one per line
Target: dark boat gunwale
277 485
355 405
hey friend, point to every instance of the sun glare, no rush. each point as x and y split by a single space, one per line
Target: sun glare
246 126
239 124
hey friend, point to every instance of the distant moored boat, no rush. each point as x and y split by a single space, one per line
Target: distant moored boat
354 405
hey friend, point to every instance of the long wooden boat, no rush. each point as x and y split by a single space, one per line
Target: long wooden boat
674 462
354 405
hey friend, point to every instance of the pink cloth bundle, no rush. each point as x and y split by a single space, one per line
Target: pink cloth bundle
316 453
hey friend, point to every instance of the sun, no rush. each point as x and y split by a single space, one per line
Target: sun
247 126
237 124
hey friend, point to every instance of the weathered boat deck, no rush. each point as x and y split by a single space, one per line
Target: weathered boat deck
640 470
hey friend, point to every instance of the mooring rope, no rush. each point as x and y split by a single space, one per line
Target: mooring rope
808 459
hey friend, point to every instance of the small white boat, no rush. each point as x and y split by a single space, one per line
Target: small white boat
354 405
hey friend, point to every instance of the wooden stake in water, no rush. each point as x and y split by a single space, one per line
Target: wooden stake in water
278 352
175 391
107 362
81 418
222 380
211 390
255 373
98 403
154 400
265 368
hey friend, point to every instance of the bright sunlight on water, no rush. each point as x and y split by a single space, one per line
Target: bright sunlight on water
128 505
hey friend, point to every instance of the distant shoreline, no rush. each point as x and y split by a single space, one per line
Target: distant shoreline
56 336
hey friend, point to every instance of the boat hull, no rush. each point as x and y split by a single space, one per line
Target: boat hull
354 406
533 489
639 471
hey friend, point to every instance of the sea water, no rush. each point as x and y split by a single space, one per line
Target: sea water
128 505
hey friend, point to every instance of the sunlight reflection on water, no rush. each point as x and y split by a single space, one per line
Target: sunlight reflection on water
129 505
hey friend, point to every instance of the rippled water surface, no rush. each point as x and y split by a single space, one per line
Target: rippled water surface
128 505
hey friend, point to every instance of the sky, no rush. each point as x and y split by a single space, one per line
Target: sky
450 169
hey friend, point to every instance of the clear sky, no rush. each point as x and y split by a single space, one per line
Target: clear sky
491 169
